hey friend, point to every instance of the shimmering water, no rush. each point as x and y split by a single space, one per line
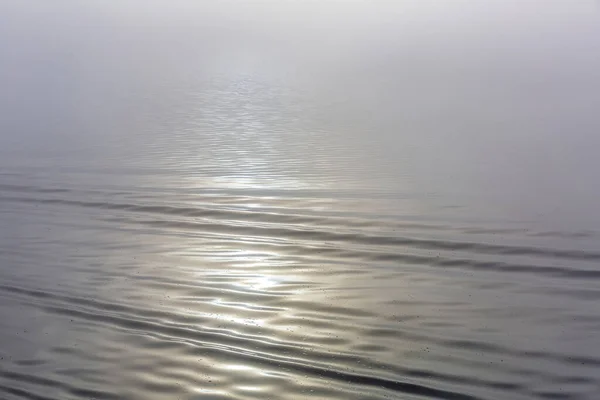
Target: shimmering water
288 200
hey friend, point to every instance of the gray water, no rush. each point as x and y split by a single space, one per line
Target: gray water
299 199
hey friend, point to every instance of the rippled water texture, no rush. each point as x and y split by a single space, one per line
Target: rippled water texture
289 200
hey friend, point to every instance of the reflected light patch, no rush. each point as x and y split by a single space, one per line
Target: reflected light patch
260 183
200 390
239 367
250 388
261 283
229 318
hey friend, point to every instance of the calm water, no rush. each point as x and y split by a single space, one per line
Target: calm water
289 200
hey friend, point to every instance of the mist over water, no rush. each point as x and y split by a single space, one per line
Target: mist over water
299 199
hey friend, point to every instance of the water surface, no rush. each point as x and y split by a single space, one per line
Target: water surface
286 200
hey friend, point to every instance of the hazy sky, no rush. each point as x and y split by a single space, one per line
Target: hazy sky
493 96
